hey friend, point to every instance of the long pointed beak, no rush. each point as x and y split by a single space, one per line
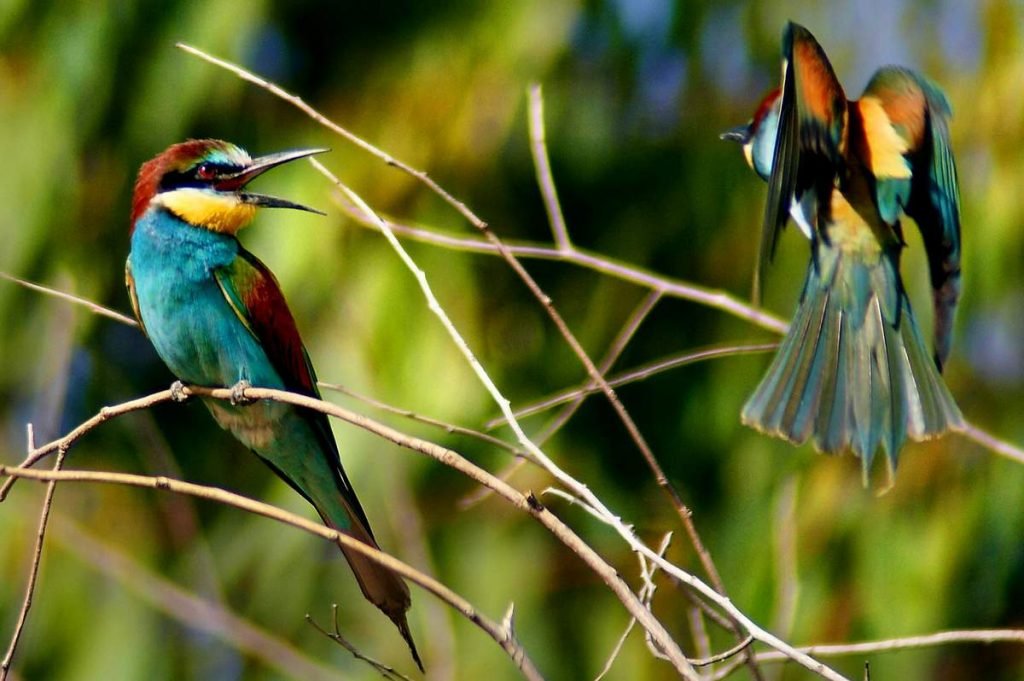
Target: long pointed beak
741 134
259 166
265 201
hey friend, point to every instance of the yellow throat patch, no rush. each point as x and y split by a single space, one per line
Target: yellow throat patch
226 214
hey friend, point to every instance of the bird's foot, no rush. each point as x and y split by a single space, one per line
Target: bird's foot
178 392
238 396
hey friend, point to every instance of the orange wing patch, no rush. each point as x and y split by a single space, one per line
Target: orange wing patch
904 103
885 147
821 96
816 81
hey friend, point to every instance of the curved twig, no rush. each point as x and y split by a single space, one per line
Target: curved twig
37 556
612 580
961 636
77 300
526 503
639 373
464 607
597 262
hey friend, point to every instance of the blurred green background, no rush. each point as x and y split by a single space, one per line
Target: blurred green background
636 92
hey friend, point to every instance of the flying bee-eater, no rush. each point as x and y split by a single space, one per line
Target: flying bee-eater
853 371
217 317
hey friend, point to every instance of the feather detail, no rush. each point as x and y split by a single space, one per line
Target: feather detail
821 103
850 373
919 114
809 145
883 148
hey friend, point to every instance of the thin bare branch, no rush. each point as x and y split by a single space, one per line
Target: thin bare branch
527 503
612 580
480 493
560 419
726 654
542 166
511 646
638 374
941 638
413 416
647 573
37 557
612 355
646 595
699 631
992 443
597 262
735 614
597 377
985 636
95 307
336 636
66 441
624 416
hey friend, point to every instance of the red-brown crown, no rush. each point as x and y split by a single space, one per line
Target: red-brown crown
764 107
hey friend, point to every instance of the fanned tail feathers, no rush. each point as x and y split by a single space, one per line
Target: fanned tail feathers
853 372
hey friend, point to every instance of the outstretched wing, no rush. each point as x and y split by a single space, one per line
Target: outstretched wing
255 296
808 147
919 114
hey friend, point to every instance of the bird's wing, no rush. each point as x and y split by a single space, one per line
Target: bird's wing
808 147
255 297
133 298
253 293
919 114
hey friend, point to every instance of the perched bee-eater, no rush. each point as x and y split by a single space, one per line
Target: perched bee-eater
217 318
853 370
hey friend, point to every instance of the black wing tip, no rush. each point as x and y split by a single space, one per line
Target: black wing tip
403 628
794 31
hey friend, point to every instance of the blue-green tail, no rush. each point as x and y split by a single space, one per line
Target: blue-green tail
298 445
853 371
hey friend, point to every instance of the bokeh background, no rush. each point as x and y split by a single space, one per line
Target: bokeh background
636 93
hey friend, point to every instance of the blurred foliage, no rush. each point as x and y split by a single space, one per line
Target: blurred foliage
636 92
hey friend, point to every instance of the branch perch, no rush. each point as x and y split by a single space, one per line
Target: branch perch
498 633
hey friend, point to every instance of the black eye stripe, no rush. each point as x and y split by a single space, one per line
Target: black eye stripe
177 179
